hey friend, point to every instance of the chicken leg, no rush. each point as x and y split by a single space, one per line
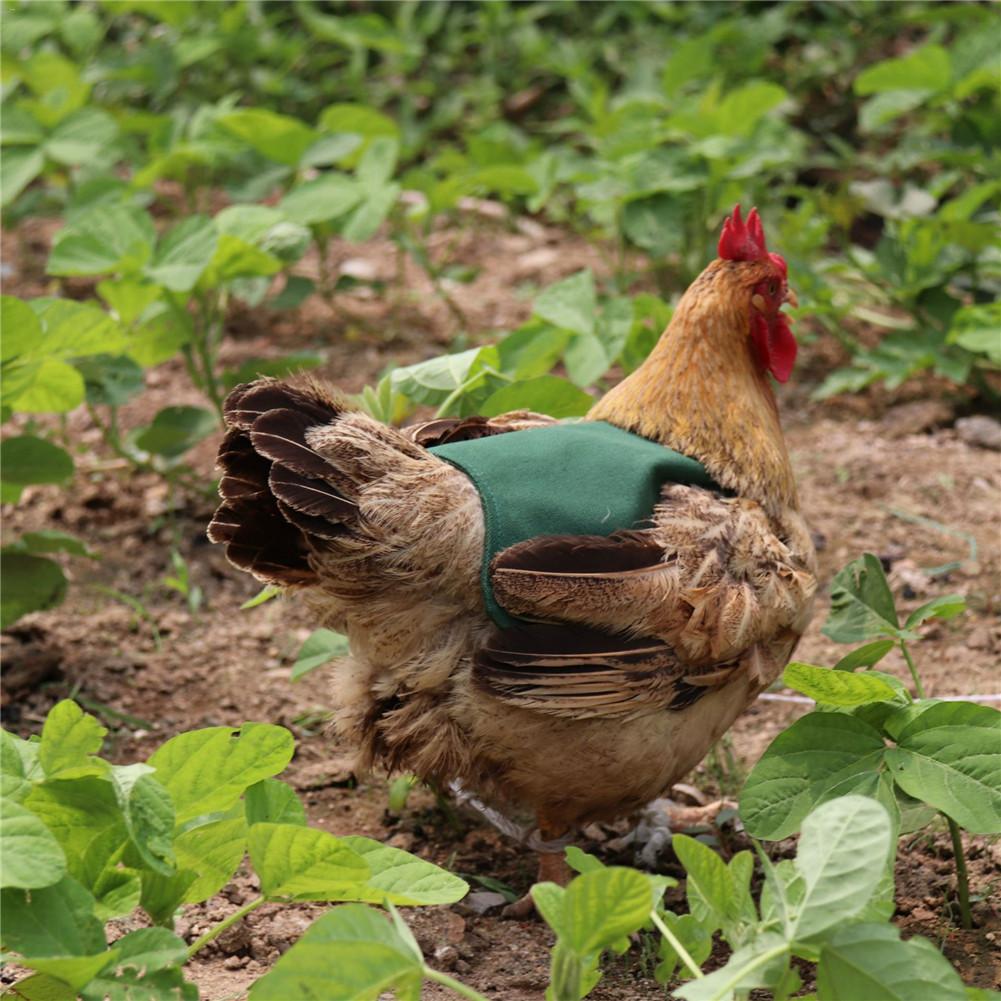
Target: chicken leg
549 843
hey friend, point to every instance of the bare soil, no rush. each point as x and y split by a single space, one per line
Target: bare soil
889 474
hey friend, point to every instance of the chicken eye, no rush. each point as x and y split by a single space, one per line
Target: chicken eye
773 288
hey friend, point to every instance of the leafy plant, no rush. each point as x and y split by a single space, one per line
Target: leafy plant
85 841
868 736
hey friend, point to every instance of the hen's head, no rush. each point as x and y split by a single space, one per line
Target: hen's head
765 280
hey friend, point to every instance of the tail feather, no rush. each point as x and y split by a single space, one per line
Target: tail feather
280 435
254 399
308 496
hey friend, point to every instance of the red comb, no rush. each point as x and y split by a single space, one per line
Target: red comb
743 241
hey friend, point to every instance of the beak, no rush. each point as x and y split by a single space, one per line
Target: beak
790 298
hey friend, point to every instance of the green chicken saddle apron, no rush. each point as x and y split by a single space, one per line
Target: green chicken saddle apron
568 479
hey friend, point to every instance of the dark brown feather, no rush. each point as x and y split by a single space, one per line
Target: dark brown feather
280 435
309 496
583 554
259 540
253 399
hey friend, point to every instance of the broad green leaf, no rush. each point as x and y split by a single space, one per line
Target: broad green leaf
148 814
84 136
884 107
183 254
319 648
402 878
160 337
819 757
948 606
273 801
368 216
110 380
359 120
927 68
161 896
26 459
176 429
655 223
75 329
571 304
546 394
105 239
843 843
696 941
581 861
208 770
31 856
601 907
718 893
70 739
434 380
305 863
42 987
278 137
377 163
50 387
55 920
350 952
73 970
22 330
837 688
740 111
235 257
862 606
532 350
248 222
18 168
212 852
128 297
865 656
296 291
950 758
327 197
870 961
548 899
586 359
147 968
28 584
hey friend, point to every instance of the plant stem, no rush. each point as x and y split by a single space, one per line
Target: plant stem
760 960
962 878
218 929
918 687
451 983
682 952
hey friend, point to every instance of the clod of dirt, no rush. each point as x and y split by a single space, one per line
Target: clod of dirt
915 417
980 430
481 902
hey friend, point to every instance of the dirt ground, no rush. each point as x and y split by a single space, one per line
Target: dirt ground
893 475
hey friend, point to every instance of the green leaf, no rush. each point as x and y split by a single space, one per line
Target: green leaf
211 853
358 119
548 899
377 163
601 907
296 291
176 429
237 258
570 304
73 970
147 969
22 330
436 379
26 459
183 254
84 136
402 878
327 197
349 952
586 359
208 770
546 394
320 647
104 239
837 688
128 297
110 380
29 584
948 606
696 941
278 137
928 69
870 961
366 219
305 863
70 739
865 656
18 168
843 843
31 856
54 920
160 337
581 861
52 387
42 987
148 813
531 350
718 894
862 606
655 223
743 972
273 801
819 757
950 757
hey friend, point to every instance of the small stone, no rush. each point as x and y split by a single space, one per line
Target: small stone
922 914
446 956
481 902
981 431
235 962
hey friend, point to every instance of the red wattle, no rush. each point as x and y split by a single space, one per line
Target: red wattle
782 348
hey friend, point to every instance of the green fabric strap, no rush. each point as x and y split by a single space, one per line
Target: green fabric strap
589 478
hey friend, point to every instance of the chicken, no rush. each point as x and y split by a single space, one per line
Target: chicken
617 656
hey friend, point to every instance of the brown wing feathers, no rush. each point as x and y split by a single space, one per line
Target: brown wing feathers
276 496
